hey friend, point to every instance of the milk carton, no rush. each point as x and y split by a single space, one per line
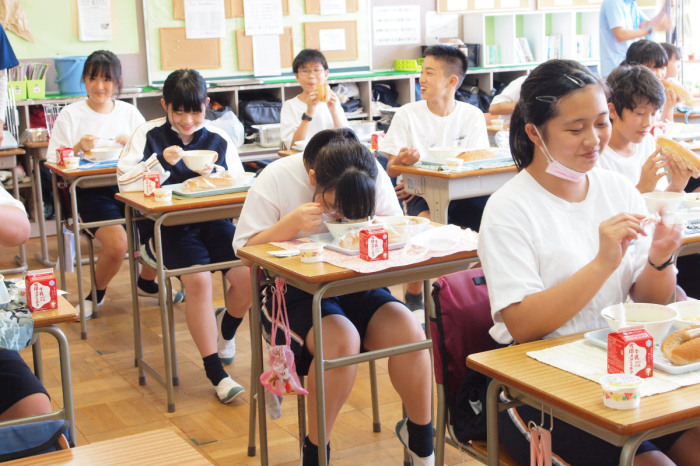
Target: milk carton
631 351
374 244
41 290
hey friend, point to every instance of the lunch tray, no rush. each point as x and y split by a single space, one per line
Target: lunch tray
177 190
87 163
600 338
329 242
497 162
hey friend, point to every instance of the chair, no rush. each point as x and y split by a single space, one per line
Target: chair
460 325
50 113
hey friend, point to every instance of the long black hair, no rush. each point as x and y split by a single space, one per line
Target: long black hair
539 95
346 167
104 63
185 90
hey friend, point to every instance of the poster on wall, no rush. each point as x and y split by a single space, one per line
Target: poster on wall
94 20
396 25
204 19
262 17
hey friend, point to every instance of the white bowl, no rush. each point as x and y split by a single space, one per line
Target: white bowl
688 313
338 229
105 153
199 159
662 200
441 154
691 200
406 226
655 318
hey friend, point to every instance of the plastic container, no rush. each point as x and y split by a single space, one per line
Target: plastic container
71 163
621 391
415 65
69 72
311 252
268 135
19 88
36 88
162 195
454 162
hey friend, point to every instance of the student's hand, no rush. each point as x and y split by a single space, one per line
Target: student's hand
666 240
87 142
332 100
402 194
651 172
306 217
173 154
311 102
206 170
671 96
614 236
680 174
408 156
123 139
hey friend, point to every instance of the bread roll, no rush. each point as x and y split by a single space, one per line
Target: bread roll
669 146
679 350
206 183
680 91
479 154
324 92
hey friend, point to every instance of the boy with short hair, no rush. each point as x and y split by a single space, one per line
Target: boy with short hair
635 98
652 55
307 114
436 121
673 68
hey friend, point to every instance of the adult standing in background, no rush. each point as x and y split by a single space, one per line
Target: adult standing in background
7 60
621 23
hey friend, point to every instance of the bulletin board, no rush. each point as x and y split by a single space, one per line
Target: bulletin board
235 49
314 6
313 32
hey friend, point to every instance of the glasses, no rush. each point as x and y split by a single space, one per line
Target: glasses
316 72
550 99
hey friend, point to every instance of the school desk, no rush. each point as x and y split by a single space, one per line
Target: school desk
174 212
8 159
439 188
83 178
37 152
578 401
163 446
45 322
324 280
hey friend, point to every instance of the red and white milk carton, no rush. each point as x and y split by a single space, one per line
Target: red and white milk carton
374 244
62 153
41 290
151 182
631 351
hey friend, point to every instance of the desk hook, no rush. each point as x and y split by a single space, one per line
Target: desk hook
551 418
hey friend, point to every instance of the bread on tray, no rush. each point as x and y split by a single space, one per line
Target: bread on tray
477 154
683 346
209 182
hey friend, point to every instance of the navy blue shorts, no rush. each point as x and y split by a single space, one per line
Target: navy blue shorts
358 308
463 212
196 244
569 443
18 381
99 204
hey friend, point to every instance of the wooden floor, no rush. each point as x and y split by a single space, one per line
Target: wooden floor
109 403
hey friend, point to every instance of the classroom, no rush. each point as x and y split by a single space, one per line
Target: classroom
486 211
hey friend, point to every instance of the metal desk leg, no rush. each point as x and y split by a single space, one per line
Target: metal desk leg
165 320
58 215
492 421
36 355
39 204
66 381
21 260
320 376
440 426
257 369
78 262
133 273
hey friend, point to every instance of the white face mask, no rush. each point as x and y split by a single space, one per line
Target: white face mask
556 168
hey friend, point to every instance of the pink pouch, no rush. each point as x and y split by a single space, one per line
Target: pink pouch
282 378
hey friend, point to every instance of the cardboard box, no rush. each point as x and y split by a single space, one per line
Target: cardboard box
631 351
374 244
151 182
41 290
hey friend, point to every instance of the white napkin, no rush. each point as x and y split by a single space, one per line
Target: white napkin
132 179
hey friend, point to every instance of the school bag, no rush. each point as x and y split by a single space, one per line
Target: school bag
460 327
35 438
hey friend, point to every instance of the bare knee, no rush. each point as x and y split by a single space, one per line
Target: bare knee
32 405
340 338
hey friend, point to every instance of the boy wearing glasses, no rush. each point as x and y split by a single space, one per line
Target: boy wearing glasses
311 111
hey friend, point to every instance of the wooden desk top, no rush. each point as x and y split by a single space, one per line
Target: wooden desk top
410 169
148 204
319 272
287 152
9 152
35 145
156 447
65 313
76 172
580 396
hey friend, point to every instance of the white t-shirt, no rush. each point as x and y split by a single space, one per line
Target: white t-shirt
77 119
7 199
414 125
290 119
531 240
283 186
631 167
511 94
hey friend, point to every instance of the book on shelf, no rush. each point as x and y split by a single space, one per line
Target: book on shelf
555 46
525 46
584 44
518 52
493 54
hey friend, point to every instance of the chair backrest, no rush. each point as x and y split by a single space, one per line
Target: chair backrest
11 114
460 327
51 111
34 438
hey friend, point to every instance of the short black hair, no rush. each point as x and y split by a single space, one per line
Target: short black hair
104 63
185 90
346 167
672 50
451 56
631 86
308 56
647 53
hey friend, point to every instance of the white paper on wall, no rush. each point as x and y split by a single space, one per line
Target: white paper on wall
94 20
204 19
266 55
395 25
263 17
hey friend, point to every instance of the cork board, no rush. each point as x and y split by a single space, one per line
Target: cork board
312 38
244 45
233 8
313 7
176 51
